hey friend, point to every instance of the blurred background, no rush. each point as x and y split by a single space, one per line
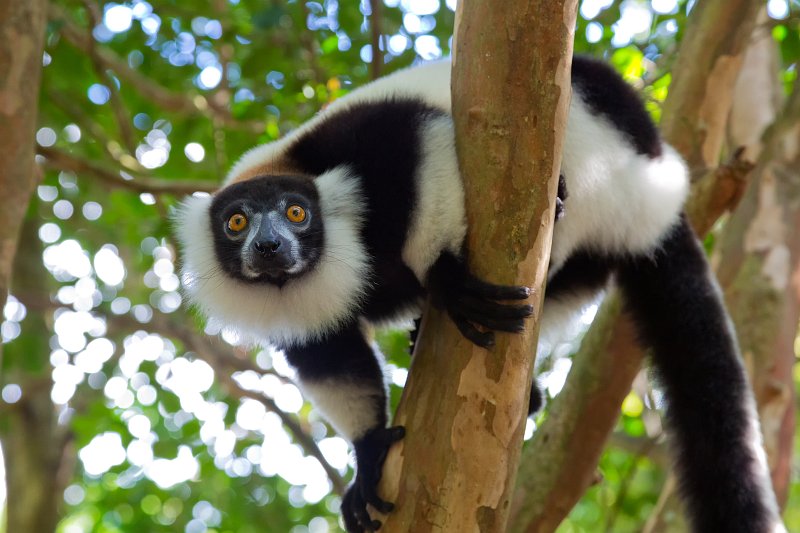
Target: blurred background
120 410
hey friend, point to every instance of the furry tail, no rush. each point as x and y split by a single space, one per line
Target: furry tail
721 465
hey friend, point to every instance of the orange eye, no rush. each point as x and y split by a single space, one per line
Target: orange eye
296 214
237 222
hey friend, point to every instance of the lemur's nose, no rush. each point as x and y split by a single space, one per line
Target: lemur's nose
267 248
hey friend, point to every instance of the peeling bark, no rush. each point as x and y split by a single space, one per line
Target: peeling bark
465 408
696 111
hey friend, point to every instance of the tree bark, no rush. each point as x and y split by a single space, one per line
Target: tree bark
554 474
706 68
759 253
39 456
22 26
21 47
465 408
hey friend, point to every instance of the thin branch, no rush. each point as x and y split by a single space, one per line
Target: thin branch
654 447
719 191
61 160
666 500
225 363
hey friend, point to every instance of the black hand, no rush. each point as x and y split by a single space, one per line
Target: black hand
471 301
371 450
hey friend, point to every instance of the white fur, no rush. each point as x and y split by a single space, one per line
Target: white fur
349 407
438 221
619 201
300 310
760 469
429 82
559 315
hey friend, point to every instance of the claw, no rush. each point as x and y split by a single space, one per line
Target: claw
491 291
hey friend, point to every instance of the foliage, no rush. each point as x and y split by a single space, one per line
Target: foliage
144 100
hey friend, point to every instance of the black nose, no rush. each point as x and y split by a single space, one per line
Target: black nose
267 248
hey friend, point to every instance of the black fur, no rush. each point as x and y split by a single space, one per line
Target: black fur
606 93
584 272
371 450
561 196
679 314
380 142
395 290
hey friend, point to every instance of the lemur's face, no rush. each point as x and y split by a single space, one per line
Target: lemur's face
267 229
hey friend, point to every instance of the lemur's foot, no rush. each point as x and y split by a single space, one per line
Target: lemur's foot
371 450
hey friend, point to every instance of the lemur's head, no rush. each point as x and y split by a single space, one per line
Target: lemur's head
276 255
267 229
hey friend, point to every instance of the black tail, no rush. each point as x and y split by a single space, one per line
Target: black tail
710 409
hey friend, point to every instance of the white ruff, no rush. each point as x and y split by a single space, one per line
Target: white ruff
302 309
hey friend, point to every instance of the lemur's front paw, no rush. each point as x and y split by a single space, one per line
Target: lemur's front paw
476 305
471 301
371 450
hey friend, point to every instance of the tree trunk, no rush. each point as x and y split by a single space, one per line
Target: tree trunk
22 26
39 460
558 465
21 46
465 408
759 251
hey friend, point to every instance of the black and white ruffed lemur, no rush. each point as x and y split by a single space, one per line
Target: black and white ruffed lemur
354 217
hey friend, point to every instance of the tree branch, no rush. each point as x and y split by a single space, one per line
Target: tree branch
225 363
511 72
121 114
759 251
61 160
66 104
